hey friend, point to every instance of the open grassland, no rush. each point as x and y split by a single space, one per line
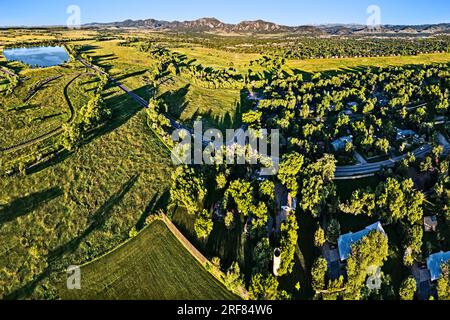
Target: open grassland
125 64
81 204
187 102
154 265
218 58
355 64
10 36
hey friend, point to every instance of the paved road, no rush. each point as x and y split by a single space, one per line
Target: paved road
358 171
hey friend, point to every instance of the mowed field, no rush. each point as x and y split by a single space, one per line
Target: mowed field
154 265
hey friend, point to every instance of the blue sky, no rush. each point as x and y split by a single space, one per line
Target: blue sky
288 12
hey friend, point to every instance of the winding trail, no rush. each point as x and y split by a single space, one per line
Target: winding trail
52 133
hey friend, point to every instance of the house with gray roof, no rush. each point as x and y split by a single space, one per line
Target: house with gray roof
346 241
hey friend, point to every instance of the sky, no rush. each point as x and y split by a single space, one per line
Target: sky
286 12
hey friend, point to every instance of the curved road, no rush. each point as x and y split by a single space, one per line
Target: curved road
369 169
51 133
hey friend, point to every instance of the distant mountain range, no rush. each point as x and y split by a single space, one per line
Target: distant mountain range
260 26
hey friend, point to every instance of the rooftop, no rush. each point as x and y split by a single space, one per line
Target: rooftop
346 241
435 263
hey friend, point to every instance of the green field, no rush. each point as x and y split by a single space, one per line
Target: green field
219 59
154 265
355 64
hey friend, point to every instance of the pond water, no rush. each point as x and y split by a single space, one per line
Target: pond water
41 57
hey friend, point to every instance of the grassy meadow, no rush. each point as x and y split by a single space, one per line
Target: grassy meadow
154 266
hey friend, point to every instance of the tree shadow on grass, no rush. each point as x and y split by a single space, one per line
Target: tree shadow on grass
23 206
176 100
58 254
158 202
98 220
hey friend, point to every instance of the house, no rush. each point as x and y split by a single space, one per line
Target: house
435 263
346 241
340 143
405 134
430 224
423 280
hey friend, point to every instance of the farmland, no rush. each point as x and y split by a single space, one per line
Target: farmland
139 269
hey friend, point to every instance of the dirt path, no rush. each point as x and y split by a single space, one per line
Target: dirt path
52 133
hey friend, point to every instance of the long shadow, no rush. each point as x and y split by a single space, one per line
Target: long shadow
98 220
123 108
130 75
59 158
23 206
158 202
176 100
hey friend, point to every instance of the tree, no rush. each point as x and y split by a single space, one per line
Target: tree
229 220
443 285
262 256
408 289
267 188
253 119
399 200
382 145
333 231
233 279
412 243
318 186
203 225
361 202
71 136
241 192
289 169
264 288
187 189
319 237
221 181
318 273
369 252
288 244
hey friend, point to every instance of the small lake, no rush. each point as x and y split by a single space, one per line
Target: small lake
41 57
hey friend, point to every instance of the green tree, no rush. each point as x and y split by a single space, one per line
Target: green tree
319 237
369 252
408 289
187 189
264 288
262 256
443 284
318 273
288 244
289 171
203 225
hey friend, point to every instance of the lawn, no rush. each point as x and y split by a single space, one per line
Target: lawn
153 266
